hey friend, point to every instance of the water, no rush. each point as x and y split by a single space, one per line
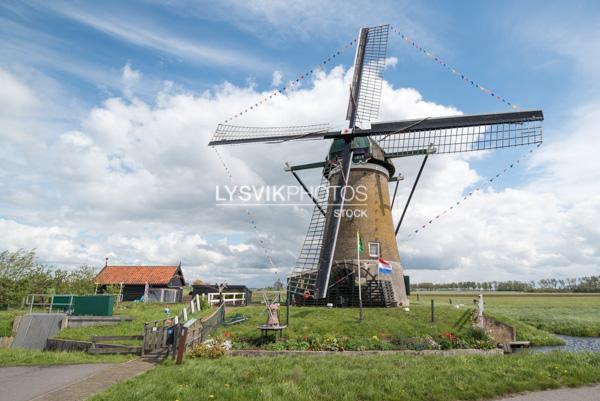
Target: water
573 344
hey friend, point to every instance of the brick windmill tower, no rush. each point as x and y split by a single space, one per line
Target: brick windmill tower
354 196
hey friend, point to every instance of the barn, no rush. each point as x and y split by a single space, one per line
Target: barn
150 283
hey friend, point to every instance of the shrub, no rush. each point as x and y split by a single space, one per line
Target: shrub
476 333
206 350
450 341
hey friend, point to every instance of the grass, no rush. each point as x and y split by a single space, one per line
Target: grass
338 328
393 377
16 357
140 312
6 320
381 322
390 322
569 314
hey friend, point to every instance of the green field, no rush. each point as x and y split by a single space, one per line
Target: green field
380 327
140 312
569 314
390 377
6 320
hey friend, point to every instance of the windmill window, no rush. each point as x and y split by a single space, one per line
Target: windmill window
374 249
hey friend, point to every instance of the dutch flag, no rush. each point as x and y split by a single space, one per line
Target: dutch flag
384 267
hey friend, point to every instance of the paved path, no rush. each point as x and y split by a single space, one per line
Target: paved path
564 394
22 383
65 382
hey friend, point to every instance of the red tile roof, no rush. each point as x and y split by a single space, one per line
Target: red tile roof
153 275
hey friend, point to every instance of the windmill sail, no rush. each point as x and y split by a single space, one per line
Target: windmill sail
367 83
460 134
304 274
235 134
363 105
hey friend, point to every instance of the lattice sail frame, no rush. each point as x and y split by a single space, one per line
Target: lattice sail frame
230 134
371 81
304 274
462 139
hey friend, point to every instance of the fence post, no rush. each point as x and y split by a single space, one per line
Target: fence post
193 306
198 305
432 311
287 308
185 314
181 345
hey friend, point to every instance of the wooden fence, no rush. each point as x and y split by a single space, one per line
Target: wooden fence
181 331
232 298
114 348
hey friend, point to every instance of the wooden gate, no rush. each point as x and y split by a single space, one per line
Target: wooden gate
158 335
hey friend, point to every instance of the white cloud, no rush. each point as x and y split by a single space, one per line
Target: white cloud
280 20
277 78
135 181
390 62
153 37
130 77
15 97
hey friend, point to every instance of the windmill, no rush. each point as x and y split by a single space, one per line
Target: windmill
362 156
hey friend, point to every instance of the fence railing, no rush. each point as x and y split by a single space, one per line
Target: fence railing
198 330
164 334
47 301
232 298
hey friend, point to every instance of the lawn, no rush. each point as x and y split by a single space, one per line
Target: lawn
140 312
390 377
15 357
382 328
6 320
569 314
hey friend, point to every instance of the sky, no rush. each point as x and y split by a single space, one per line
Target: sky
106 110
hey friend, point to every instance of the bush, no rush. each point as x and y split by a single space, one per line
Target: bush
476 333
449 340
205 350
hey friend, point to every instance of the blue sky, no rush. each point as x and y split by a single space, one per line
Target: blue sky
139 85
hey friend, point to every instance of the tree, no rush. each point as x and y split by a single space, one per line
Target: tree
21 275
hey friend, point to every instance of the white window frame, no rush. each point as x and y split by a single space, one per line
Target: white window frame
371 255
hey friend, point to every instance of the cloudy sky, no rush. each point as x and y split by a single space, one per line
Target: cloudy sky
106 110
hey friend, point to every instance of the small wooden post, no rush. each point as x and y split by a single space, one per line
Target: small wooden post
185 314
480 321
181 345
198 304
432 311
287 308
193 306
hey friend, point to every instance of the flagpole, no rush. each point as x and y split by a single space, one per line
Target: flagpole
360 305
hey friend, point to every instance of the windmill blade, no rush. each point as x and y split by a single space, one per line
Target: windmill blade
460 134
304 275
369 64
333 220
233 134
